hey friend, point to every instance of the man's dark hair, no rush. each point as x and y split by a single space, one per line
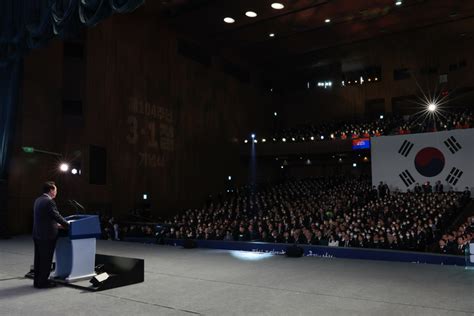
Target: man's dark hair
48 186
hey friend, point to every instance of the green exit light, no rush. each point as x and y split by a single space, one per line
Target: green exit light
28 150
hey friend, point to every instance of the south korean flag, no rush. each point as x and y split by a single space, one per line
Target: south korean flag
402 161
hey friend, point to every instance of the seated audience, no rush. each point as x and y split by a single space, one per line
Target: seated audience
417 123
333 212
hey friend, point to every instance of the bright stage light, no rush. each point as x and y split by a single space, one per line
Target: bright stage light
246 141
74 171
432 107
229 20
64 167
253 136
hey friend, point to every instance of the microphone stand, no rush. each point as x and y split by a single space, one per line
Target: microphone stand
79 205
74 205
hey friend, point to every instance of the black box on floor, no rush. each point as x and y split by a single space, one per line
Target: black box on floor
189 244
294 251
121 271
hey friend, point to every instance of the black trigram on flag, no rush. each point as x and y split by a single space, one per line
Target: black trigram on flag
454 176
405 148
452 145
407 178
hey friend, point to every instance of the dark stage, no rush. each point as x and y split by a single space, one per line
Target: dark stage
217 282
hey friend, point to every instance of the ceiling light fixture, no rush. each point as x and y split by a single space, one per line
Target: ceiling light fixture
271 34
398 3
251 14
327 20
277 6
229 20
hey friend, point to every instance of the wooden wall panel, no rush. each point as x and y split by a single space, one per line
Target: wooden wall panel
171 126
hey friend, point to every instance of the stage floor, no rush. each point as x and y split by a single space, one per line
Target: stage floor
217 282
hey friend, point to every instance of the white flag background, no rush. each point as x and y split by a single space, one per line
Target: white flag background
402 161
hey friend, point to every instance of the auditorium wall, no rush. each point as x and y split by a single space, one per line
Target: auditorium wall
447 49
169 126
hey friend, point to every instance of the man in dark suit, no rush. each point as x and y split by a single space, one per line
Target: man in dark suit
46 220
427 188
439 187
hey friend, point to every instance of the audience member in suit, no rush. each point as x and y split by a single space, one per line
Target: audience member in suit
438 187
417 188
275 238
460 247
427 188
46 220
441 248
381 189
466 194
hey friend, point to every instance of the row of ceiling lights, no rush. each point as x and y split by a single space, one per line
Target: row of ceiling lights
279 6
252 14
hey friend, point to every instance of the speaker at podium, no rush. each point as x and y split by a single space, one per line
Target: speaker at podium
76 249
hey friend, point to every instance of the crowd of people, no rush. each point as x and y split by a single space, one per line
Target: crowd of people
457 241
337 211
418 123
445 120
113 229
325 211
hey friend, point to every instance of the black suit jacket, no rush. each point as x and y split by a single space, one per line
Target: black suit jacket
46 217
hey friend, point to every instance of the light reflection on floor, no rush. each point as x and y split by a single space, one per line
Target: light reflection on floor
250 256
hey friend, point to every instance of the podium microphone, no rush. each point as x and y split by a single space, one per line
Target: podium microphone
73 205
79 204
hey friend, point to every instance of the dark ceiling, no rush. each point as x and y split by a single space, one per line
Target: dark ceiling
300 28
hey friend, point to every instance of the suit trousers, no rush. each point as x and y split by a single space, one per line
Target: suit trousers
44 251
